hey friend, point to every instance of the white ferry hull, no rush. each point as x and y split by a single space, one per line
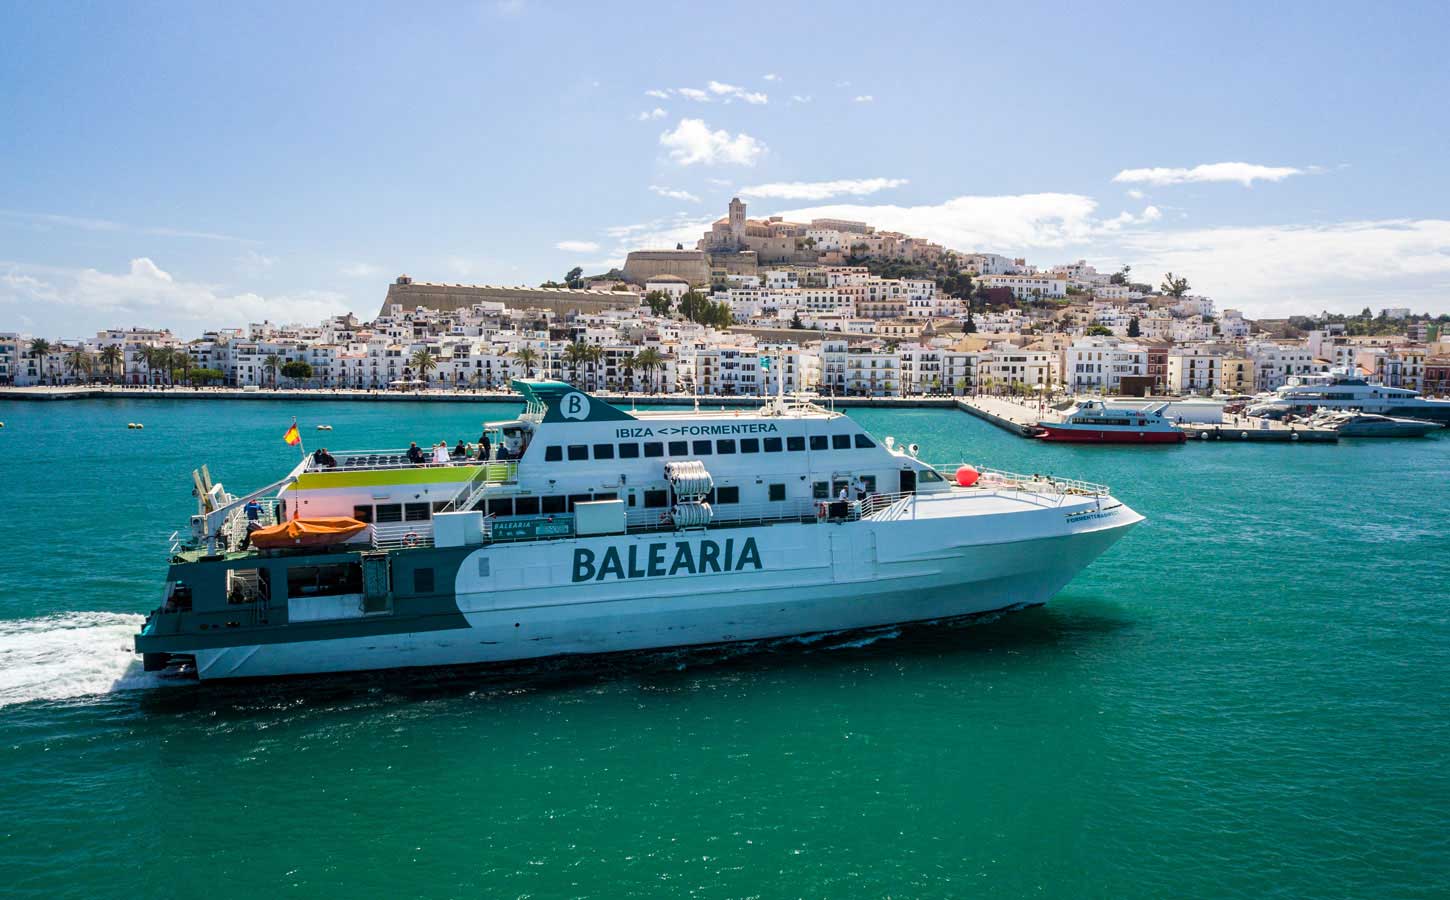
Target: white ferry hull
813 578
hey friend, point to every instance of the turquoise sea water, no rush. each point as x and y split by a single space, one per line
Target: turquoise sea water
1248 696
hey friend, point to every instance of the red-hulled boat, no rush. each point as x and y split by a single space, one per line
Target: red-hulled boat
1094 422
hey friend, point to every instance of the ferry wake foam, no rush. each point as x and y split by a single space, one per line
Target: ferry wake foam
68 655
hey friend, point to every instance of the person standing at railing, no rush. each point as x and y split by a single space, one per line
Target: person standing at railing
484 447
440 453
460 451
415 454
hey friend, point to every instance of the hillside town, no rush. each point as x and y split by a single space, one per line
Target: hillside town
832 306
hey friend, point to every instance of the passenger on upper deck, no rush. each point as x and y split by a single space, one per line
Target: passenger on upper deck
415 454
323 458
484 446
440 452
460 451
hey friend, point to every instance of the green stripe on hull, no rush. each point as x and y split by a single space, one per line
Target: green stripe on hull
310 481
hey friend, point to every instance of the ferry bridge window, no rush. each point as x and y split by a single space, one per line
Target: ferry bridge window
655 499
554 453
869 483
526 506
840 442
795 444
390 512
725 445
701 448
551 505
772 445
679 448
578 452
417 512
362 513
499 506
423 581
727 495
324 581
604 451
577 498
629 451
818 442
777 493
654 448
864 443
750 445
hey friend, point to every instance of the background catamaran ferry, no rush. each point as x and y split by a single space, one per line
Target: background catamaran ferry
590 529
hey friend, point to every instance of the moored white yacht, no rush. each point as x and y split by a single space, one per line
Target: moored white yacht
602 530
1340 389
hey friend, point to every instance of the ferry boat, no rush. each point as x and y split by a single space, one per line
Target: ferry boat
1339 389
589 529
1094 422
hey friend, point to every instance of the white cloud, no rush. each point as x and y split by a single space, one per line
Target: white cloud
1003 224
657 94
1243 173
731 92
147 294
674 194
44 221
1278 270
693 142
800 98
578 246
863 98
823 190
655 113
253 263
695 94
361 270
1135 194
771 77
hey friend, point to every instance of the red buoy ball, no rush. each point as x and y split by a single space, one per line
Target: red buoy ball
967 476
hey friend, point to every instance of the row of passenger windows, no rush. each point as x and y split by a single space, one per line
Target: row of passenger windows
721 447
552 505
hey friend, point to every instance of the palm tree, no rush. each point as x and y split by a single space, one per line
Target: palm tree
628 365
39 347
272 364
527 357
423 362
183 360
78 361
575 355
649 359
112 357
594 355
152 357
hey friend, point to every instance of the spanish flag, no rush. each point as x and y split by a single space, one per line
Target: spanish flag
292 437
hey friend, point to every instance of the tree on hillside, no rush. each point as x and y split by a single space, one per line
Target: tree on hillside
1121 276
795 321
575 278
1133 329
970 325
1098 331
1174 287
659 302
693 305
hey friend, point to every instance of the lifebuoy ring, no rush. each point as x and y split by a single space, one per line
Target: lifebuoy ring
410 539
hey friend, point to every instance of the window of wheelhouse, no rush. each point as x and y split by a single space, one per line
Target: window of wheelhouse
773 445
818 442
327 580
363 514
840 442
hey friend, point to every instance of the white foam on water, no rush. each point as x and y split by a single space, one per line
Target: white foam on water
74 654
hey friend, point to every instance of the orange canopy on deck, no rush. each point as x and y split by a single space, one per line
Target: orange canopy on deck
319 532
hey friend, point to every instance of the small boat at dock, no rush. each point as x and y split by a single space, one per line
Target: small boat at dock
1094 422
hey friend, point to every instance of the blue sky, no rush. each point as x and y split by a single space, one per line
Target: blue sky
187 165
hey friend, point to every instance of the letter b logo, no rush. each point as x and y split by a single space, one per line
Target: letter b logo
574 406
